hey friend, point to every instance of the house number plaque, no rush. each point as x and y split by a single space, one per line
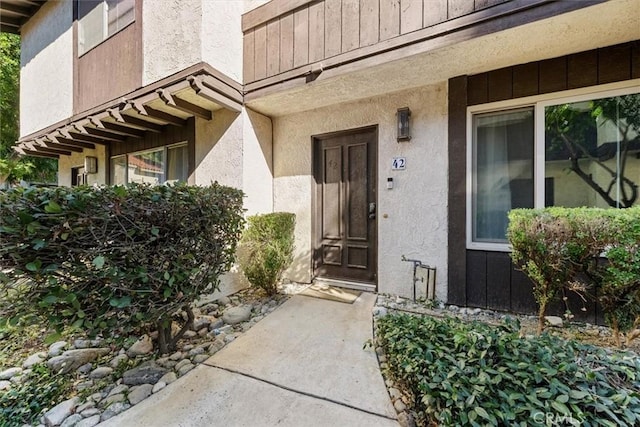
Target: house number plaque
399 164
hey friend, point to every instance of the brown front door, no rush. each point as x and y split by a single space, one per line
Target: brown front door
345 214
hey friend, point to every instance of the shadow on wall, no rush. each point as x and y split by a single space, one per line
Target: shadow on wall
209 134
262 127
301 269
59 22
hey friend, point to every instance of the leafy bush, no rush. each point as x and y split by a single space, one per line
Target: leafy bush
42 389
266 249
97 258
459 373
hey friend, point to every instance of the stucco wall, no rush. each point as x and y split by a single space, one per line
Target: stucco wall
47 44
412 217
65 163
222 36
257 170
170 37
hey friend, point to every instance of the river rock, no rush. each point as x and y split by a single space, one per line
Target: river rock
147 373
235 315
34 359
139 393
73 359
56 415
56 348
7 374
141 347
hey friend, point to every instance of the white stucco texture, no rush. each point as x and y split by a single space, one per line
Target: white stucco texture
171 31
412 217
46 97
435 60
65 163
222 36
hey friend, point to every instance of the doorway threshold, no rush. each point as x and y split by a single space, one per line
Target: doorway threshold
366 287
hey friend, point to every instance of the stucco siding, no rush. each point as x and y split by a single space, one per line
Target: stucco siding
412 217
257 160
65 163
171 37
222 36
46 75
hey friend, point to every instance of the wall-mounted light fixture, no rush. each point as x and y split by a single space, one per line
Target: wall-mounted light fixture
404 122
90 165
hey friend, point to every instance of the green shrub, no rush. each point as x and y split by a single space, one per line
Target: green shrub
266 249
24 403
101 258
459 373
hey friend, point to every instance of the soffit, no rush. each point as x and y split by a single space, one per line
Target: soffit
170 102
15 13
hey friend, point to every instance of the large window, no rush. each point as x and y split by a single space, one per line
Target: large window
157 166
100 19
582 150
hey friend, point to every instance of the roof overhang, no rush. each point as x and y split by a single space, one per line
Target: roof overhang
14 13
198 91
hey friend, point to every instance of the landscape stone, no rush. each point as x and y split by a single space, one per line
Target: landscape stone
196 351
168 378
119 389
116 361
90 421
176 356
554 321
216 324
56 348
71 421
399 405
186 368
7 374
91 412
100 372
216 346
141 347
57 414
33 359
201 323
159 386
114 410
182 363
229 338
5 384
200 358
224 300
72 359
147 373
406 420
86 368
139 393
189 334
235 315
84 385
111 399
85 406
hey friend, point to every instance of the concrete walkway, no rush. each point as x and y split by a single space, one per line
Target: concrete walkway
303 365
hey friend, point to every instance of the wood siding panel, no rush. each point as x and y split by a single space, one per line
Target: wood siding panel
477 89
614 64
525 80
459 8
118 63
389 19
286 42
273 48
332 27
582 69
410 15
369 22
476 279
522 300
260 64
498 280
435 12
456 197
249 56
316 32
553 75
500 84
350 25
635 60
301 37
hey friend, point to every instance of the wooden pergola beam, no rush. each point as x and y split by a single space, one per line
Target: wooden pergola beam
48 144
207 92
136 122
162 116
182 105
116 128
105 135
25 152
66 141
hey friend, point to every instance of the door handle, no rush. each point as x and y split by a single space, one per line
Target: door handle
372 210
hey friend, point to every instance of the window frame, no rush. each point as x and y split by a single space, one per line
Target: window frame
539 103
105 25
165 166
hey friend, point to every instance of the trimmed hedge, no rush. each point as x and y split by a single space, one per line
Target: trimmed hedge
115 256
473 374
266 249
563 249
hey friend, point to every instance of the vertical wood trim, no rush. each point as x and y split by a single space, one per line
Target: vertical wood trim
477 91
286 42
350 24
301 37
614 63
459 8
260 64
498 280
456 196
476 279
434 12
191 150
500 84
410 15
369 22
635 59
316 32
582 69
553 75
249 54
332 27
389 19
76 80
525 80
273 48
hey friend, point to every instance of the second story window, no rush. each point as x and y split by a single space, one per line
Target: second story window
100 19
